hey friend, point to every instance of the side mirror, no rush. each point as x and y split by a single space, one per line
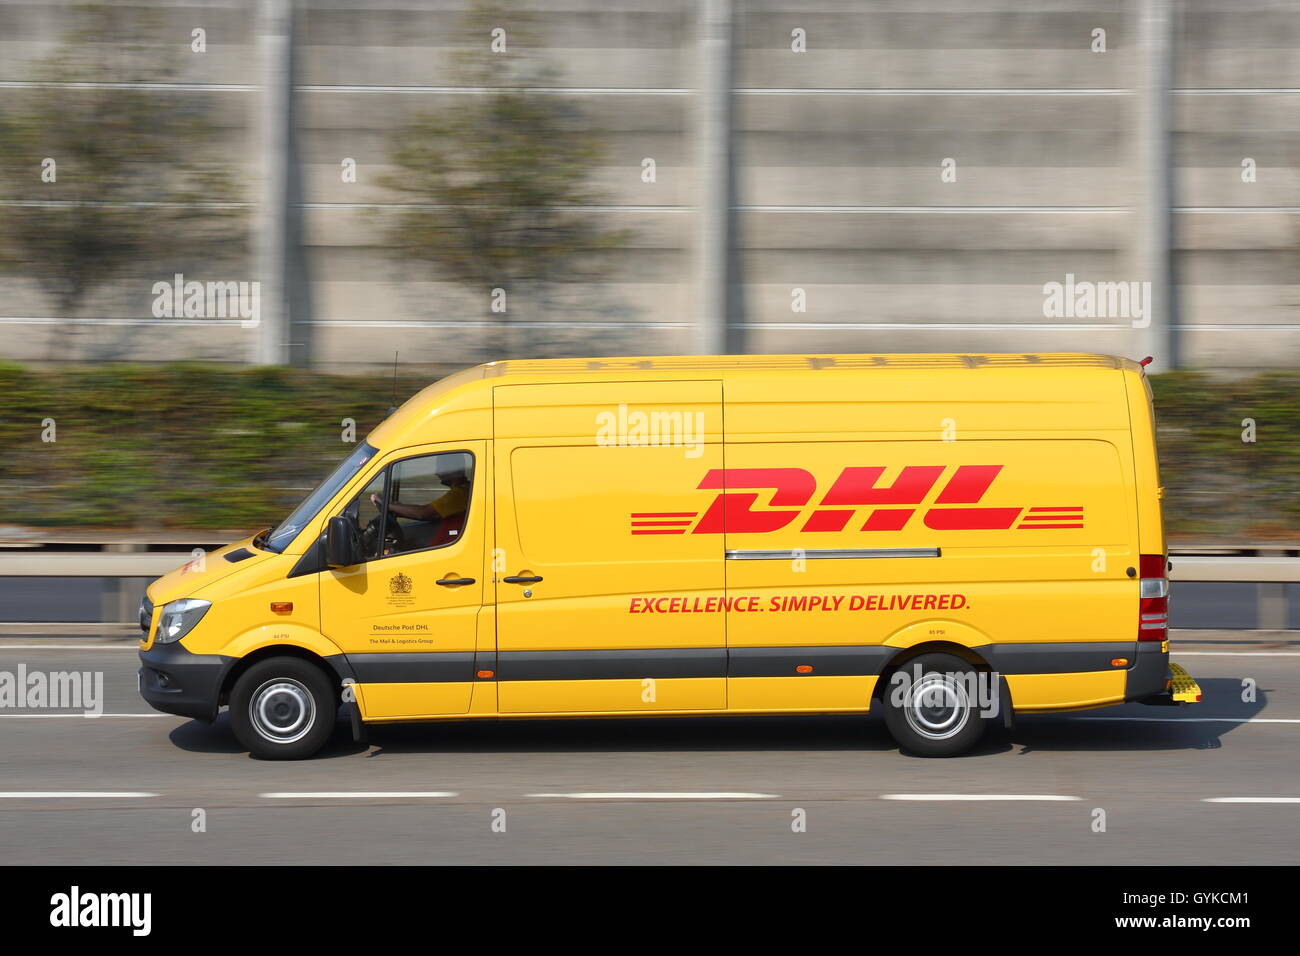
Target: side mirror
342 543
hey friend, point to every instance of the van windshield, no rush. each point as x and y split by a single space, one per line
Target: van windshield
288 529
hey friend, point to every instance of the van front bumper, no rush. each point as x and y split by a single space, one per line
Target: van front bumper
176 681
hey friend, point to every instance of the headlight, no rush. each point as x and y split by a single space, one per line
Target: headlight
178 619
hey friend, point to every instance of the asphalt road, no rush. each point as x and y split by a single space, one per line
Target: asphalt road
667 790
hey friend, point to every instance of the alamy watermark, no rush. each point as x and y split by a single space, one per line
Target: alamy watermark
77 908
181 299
1073 299
53 690
631 427
981 689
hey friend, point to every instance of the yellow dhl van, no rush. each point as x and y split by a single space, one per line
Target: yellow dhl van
947 538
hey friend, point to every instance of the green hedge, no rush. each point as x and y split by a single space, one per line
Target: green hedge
146 448
1217 486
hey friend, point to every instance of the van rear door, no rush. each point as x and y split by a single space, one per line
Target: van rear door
854 549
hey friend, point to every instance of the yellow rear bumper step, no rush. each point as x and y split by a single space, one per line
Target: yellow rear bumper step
1185 690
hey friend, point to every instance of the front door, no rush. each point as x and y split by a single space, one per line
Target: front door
407 617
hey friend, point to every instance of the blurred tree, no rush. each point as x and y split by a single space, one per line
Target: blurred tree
495 181
108 173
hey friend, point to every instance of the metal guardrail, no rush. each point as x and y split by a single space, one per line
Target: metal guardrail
1226 569
126 572
126 562
152 564
42 540
126 566
14 536
90 564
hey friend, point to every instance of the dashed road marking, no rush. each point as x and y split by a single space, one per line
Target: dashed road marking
978 797
360 795
1251 800
73 794
1236 654
69 647
651 795
1202 720
79 716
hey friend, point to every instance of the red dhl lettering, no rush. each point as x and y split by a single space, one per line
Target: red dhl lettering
855 494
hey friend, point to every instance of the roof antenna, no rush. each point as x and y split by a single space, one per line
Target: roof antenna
393 407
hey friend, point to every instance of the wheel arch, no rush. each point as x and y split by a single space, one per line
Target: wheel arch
268 651
903 655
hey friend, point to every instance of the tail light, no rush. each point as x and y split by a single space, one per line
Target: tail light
1153 605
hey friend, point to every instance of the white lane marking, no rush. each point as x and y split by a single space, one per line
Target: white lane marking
69 647
359 794
80 716
1251 800
1203 720
657 796
1236 654
72 794
976 797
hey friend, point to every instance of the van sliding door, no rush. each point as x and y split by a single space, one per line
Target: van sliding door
607 602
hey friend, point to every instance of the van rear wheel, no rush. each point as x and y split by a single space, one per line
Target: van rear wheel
283 708
932 705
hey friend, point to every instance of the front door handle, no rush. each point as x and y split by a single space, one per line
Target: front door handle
455 582
522 579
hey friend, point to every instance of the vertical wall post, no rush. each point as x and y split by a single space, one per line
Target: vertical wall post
713 180
275 38
1154 232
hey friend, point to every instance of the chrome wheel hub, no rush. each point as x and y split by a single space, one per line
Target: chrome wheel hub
937 706
282 710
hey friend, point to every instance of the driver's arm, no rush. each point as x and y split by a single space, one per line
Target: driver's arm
418 512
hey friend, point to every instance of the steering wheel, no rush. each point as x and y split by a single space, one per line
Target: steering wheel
394 537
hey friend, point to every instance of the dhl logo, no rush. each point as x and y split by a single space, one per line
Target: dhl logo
856 489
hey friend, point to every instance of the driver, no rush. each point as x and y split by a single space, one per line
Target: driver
453 501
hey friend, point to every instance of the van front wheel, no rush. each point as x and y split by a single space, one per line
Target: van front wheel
932 706
283 708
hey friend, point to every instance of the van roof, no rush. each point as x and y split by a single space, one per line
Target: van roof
472 388
739 363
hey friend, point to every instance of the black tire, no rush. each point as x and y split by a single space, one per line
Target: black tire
931 710
283 708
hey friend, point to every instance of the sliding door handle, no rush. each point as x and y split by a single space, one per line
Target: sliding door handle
455 582
522 579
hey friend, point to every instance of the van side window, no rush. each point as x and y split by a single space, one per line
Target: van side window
420 502
368 515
